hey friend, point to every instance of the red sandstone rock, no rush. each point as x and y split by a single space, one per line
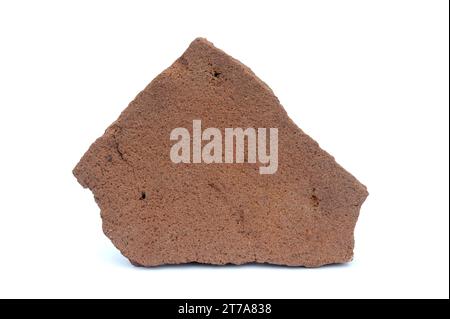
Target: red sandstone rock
158 212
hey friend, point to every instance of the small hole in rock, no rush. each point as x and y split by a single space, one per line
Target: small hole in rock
143 195
216 74
315 201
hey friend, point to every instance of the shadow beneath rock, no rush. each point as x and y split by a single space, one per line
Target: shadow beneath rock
113 256
196 265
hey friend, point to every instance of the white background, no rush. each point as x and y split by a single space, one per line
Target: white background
367 79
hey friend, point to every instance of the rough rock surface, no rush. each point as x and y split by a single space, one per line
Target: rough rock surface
157 212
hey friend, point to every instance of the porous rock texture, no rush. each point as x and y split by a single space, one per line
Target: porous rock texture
157 212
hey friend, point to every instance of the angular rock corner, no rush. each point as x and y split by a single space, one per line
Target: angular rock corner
157 212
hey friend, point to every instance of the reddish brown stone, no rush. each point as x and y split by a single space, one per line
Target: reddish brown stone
157 212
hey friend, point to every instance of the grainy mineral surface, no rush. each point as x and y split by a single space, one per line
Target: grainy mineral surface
158 212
